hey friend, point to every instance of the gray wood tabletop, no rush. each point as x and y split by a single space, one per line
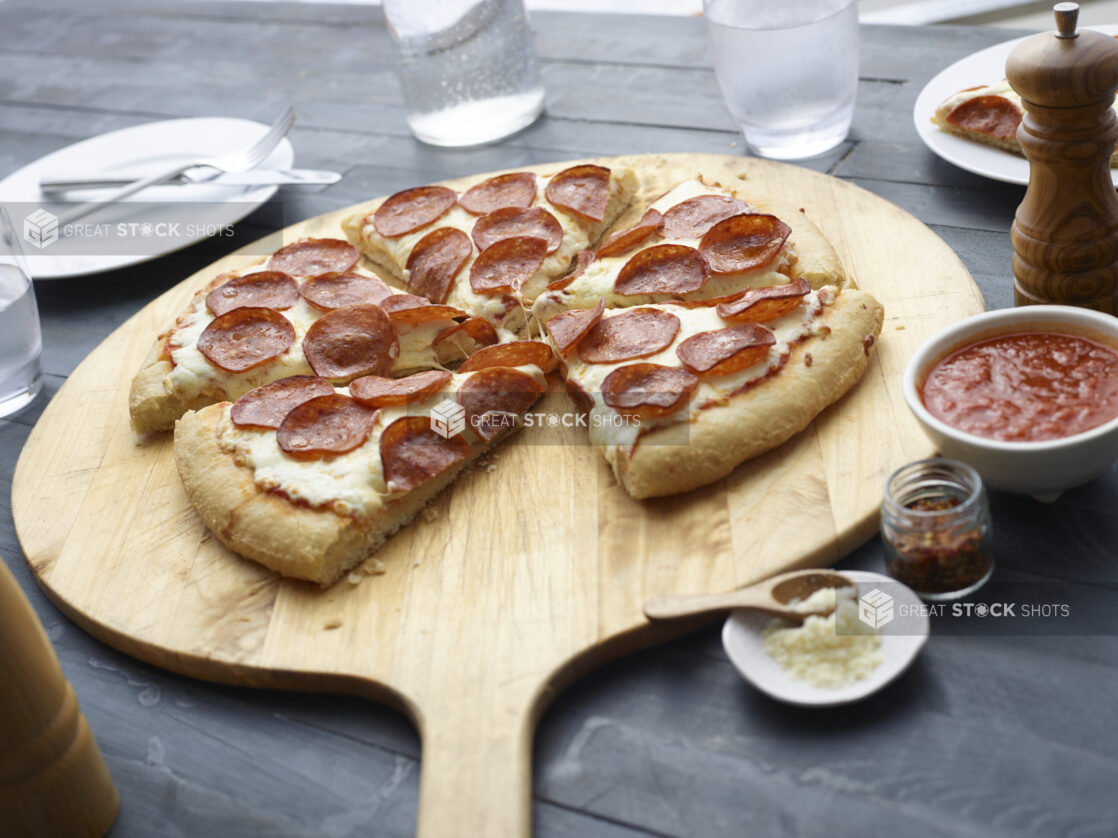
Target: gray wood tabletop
1005 730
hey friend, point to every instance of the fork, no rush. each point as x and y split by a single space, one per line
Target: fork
240 160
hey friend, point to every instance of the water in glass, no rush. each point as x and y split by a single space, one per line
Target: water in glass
788 71
20 341
468 68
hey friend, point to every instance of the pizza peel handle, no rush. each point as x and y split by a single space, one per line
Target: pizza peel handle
475 770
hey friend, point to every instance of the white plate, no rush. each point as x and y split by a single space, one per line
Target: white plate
143 148
981 68
741 637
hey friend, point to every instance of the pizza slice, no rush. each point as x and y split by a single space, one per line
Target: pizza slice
988 114
679 395
308 479
496 245
696 242
306 310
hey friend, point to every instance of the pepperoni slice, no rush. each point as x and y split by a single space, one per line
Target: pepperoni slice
516 354
568 328
412 453
435 260
264 289
510 222
583 260
506 265
649 390
374 391
512 190
691 219
743 242
760 304
312 257
266 407
333 290
325 425
663 269
245 338
994 116
411 209
494 398
583 402
352 341
634 333
624 240
477 329
408 308
724 351
582 191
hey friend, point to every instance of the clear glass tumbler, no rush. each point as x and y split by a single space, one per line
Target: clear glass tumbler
467 67
21 343
788 71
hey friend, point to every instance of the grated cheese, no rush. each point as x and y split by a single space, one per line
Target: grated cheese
827 652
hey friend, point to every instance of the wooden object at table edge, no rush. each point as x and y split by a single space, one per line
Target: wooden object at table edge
525 577
1065 233
53 780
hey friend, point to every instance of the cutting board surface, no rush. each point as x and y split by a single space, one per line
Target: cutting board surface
528 571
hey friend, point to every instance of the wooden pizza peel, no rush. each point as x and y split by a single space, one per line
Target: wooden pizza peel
526 573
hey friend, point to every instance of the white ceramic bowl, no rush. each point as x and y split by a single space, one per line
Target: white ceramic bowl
901 642
1042 469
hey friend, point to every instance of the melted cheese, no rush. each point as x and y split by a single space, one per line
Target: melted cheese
598 280
350 484
608 427
193 375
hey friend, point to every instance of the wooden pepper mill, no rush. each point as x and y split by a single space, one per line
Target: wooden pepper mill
1065 235
53 781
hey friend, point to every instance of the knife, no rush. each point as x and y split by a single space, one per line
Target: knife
253 177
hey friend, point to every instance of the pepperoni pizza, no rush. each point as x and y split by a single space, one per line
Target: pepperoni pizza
326 400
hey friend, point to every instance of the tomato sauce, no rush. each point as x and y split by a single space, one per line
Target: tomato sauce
1025 387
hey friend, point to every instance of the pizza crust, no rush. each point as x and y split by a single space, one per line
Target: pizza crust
151 406
761 418
292 539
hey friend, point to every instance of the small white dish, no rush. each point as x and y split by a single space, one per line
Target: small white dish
142 149
981 68
1041 469
741 637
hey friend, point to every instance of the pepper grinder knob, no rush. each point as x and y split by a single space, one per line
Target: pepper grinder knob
1065 232
1067 16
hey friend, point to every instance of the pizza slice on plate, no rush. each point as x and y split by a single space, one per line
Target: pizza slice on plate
988 114
306 310
495 246
309 479
679 395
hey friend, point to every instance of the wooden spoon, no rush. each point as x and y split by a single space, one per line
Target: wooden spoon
770 596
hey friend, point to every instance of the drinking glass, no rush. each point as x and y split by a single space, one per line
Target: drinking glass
467 67
21 343
788 71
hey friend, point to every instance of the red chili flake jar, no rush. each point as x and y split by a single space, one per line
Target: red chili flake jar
935 523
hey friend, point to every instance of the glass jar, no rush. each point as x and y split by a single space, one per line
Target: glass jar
935 522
